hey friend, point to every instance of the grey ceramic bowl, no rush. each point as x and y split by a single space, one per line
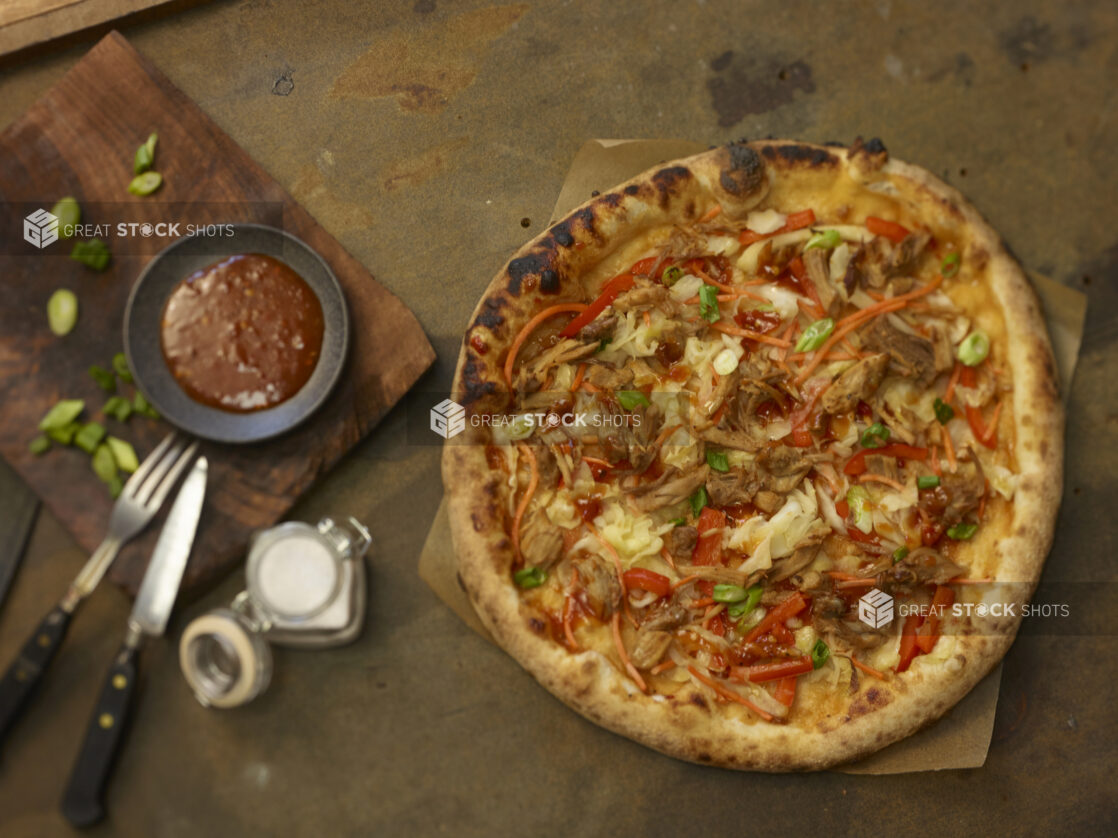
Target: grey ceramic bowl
142 323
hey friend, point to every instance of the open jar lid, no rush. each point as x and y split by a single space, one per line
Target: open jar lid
294 573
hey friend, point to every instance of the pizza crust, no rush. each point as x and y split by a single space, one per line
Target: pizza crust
692 725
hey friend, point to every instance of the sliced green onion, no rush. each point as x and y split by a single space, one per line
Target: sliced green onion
143 407
65 435
63 413
875 436
677 522
104 466
117 407
530 577
602 346
819 654
62 311
120 367
708 304
145 156
900 553
92 254
738 610
718 461
815 335
631 398
105 379
89 437
698 500
729 593
858 499
69 215
927 481
146 183
944 412
827 240
123 453
950 264
962 532
974 348
39 445
116 486
672 275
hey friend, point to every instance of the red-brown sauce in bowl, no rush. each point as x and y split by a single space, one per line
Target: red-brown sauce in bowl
243 334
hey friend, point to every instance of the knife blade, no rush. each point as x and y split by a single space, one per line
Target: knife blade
83 801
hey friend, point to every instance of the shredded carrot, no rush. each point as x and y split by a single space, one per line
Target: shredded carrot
812 310
842 575
613 554
869 670
662 667
530 326
712 612
951 382
590 388
705 602
533 482
886 304
875 295
664 434
855 583
578 377
949 450
816 302
685 580
666 556
992 425
881 478
730 694
647 318
597 461
705 277
632 670
962 580
711 214
934 456
726 328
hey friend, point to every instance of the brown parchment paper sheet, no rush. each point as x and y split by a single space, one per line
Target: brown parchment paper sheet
961 738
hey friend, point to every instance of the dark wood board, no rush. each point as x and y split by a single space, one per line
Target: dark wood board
78 139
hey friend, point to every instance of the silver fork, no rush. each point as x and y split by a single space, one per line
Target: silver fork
140 499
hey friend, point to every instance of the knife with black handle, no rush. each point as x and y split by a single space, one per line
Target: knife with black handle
83 802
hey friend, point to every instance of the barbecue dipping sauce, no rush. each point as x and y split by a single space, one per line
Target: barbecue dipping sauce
242 334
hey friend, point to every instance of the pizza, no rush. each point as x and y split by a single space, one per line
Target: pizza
748 438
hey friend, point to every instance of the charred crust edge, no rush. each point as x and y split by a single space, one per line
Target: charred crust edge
744 170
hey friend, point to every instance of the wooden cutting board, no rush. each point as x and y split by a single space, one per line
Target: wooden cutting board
78 140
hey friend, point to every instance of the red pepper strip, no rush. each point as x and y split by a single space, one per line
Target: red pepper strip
857 464
621 282
842 508
785 691
929 632
709 549
772 671
801 438
968 376
855 534
890 229
642 266
792 222
909 649
647 580
987 436
783 635
789 608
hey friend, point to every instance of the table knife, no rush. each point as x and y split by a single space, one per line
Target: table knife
83 802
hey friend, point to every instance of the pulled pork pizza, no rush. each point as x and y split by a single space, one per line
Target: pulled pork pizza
747 439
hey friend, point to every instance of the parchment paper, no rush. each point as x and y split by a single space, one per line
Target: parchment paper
961 738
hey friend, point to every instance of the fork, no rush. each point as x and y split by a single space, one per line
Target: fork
140 499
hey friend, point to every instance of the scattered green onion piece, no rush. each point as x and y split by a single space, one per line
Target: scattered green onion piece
738 610
927 481
708 304
950 264
827 240
63 413
875 436
104 466
962 532
944 412
105 379
672 275
631 398
698 500
146 183
677 522
602 346
39 445
62 311
858 499
120 367
92 254
530 577
123 453
718 461
974 348
819 654
815 335
145 156
900 553
729 593
69 215
117 407
89 437
65 435
116 486
143 406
